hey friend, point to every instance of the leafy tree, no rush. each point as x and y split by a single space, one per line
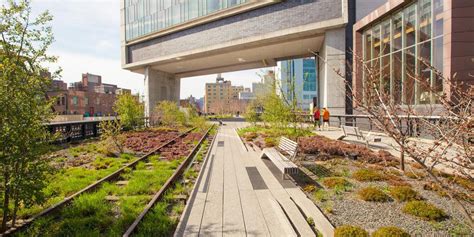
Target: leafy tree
130 110
275 111
251 115
23 105
168 114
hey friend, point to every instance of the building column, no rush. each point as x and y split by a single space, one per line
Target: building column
332 87
159 86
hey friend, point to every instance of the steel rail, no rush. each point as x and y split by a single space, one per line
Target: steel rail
91 187
169 183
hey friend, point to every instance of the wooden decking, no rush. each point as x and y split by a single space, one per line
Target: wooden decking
238 195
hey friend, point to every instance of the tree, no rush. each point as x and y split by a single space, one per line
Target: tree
111 135
251 115
276 111
130 110
23 105
168 114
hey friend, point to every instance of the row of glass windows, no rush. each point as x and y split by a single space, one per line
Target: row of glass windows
403 46
146 16
309 74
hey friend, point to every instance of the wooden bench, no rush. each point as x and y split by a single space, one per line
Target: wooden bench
355 131
284 164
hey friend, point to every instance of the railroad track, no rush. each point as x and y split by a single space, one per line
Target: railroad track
93 186
185 165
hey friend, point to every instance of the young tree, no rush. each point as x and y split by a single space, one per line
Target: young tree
251 115
23 105
168 114
130 110
111 135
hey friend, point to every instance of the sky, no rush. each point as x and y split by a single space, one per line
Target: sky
87 39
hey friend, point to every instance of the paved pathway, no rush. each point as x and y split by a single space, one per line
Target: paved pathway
238 194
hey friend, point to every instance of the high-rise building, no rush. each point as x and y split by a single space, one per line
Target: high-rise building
169 40
297 81
221 96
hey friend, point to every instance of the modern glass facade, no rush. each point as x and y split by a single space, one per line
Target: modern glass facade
298 80
402 46
143 17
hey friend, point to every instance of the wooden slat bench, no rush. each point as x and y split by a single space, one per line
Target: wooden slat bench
355 131
284 164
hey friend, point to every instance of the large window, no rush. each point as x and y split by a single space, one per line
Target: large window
147 16
309 74
403 46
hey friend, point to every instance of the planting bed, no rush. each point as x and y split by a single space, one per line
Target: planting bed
111 208
370 192
142 142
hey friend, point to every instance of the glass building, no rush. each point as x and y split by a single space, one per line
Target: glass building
402 46
143 17
298 81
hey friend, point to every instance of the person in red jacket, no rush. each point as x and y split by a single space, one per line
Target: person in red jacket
317 117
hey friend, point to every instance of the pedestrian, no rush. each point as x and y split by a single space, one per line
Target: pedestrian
325 118
317 118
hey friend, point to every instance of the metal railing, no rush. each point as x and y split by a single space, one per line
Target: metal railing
412 125
78 130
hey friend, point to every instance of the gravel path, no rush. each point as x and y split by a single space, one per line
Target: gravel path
347 209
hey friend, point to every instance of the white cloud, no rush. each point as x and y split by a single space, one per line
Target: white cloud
74 64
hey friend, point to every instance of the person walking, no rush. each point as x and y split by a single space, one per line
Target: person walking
317 118
326 118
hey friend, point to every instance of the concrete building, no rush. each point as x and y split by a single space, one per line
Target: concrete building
221 97
169 40
401 37
265 86
297 81
247 95
166 42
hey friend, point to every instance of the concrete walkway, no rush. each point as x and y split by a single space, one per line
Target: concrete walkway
238 194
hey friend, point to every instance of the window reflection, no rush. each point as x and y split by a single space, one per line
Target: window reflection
404 47
146 16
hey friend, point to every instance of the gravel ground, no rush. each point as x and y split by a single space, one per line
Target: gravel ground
348 209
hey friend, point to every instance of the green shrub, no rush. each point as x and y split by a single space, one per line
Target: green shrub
373 194
367 175
321 195
350 231
310 221
390 231
404 193
270 142
424 210
336 182
309 188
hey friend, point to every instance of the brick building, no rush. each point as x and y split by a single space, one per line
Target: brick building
89 97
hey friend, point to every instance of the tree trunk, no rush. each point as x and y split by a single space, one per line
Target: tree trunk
15 210
6 202
402 159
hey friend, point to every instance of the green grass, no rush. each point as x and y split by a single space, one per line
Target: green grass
66 182
92 215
